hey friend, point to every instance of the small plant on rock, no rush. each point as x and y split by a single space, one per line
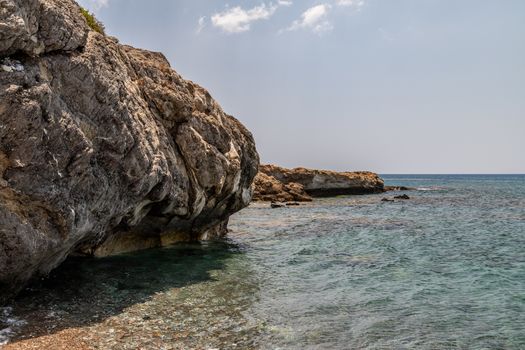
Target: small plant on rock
92 22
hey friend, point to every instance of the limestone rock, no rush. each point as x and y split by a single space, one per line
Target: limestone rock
33 27
320 183
268 188
103 147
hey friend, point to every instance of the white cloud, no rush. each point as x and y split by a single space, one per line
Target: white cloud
315 19
237 19
357 4
201 24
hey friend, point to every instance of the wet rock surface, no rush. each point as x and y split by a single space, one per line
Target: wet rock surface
403 196
277 205
103 147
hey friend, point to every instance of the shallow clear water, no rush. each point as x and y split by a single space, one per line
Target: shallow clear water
443 270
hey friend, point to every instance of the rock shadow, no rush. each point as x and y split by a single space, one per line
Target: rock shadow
85 291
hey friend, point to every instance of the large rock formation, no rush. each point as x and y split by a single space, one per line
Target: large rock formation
103 147
274 183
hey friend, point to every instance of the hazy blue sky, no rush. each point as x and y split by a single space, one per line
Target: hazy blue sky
393 86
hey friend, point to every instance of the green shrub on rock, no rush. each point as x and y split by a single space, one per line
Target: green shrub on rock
92 22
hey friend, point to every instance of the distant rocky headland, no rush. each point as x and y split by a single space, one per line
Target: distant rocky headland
277 184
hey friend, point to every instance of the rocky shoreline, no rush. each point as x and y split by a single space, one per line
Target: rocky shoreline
278 184
105 149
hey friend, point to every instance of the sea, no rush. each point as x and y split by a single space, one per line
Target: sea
444 269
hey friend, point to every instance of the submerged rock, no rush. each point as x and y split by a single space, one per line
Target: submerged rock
403 196
273 182
103 147
277 205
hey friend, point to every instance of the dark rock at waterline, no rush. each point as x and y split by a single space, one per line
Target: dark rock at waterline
277 205
403 196
398 188
386 200
292 204
103 147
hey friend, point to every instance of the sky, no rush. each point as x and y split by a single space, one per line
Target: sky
404 86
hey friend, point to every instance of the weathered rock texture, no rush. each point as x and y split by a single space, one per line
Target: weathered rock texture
275 183
268 188
103 147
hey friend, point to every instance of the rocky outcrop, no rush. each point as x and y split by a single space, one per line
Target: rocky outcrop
103 147
403 196
274 183
268 188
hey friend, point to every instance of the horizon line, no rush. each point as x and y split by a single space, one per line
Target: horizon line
482 174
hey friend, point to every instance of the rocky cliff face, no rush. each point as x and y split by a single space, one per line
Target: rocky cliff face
274 183
103 147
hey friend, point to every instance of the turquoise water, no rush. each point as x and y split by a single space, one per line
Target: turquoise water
443 270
